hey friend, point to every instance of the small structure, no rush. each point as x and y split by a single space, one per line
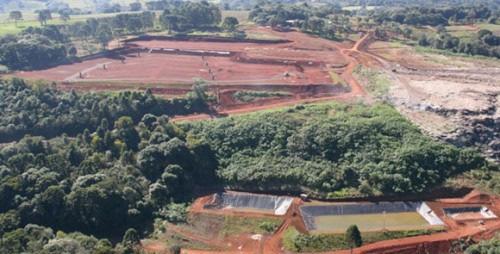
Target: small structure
304 197
470 213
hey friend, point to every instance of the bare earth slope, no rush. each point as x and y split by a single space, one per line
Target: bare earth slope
453 98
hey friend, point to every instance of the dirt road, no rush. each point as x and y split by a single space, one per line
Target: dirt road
357 90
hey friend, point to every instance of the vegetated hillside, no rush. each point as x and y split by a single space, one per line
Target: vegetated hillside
126 174
101 183
248 4
45 111
336 149
487 246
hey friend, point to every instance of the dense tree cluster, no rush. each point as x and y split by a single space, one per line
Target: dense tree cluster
485 43
120 176
485 247
327 149
47 46
403 21
104 30
160 5
37 239
392 3
37 48
189 15
326 21
42 110
422 16
34 48
249 4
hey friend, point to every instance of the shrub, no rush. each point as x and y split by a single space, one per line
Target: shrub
353 236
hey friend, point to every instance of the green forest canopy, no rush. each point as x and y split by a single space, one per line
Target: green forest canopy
328 148
41 110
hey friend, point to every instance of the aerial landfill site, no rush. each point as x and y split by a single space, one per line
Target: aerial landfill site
250 127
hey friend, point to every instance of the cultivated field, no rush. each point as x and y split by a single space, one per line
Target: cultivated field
8 26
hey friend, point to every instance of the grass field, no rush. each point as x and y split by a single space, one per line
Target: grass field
376 82
30 19
237 225
9 27
336 79
468 32
86 5
371 222
492 27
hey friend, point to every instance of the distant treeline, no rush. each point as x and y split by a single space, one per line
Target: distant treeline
423 16
249 4
434 3
485 43
37 48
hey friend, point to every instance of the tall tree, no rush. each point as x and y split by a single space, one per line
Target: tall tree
104 35
137 6
131 238
134 24
64 15
16 16
353 236
169 21
230 23
44 16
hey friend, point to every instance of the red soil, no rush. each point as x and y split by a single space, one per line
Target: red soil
440 242
156 247
198 207
304 61
352 55
435 243
245 244
180 69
